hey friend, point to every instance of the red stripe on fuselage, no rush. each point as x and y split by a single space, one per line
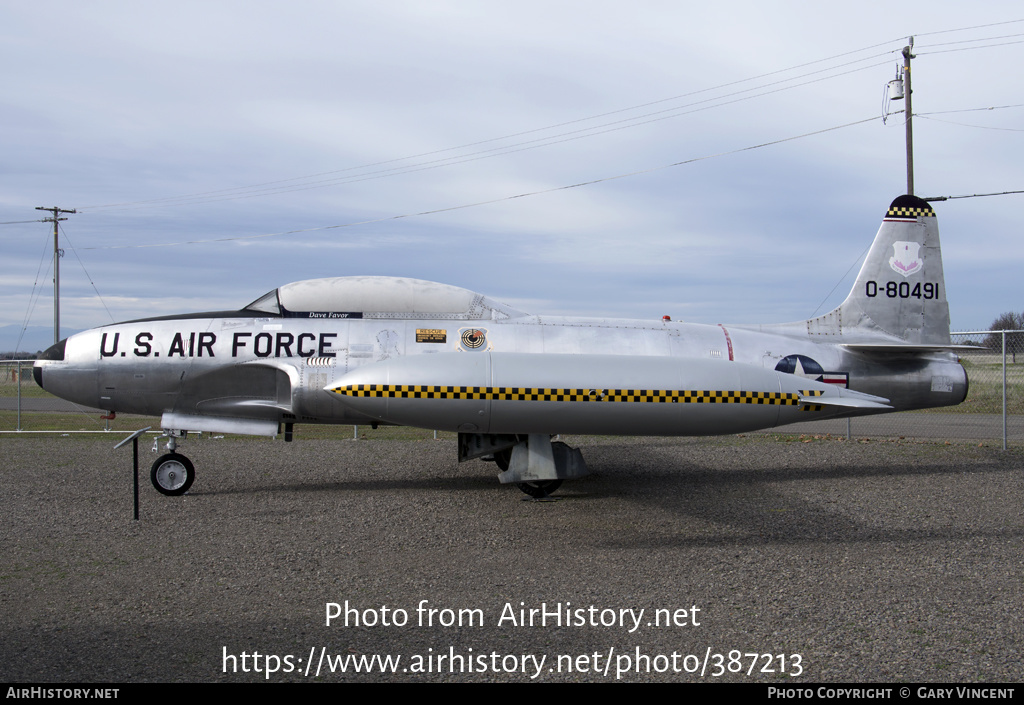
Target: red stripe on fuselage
728 342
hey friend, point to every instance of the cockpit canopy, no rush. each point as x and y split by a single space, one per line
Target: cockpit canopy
378 297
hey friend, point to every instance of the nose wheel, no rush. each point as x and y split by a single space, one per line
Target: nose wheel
172 474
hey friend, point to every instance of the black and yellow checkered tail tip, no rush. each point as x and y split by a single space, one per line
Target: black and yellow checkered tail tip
909 207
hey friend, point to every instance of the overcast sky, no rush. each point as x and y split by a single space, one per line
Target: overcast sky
210 123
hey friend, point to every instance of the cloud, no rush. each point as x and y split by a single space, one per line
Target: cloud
159 101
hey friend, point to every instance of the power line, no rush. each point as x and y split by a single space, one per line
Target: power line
968 29
352 174
494 200
973 195
34 296
511 149
360 173
841 279
87 275
979 127
972 110
982 39
288 185
409 215
950 51
930 116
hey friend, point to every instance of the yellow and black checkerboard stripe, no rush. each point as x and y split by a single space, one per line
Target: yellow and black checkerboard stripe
903 212
654 396
812 393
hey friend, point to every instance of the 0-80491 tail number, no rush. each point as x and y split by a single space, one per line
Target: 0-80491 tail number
902 290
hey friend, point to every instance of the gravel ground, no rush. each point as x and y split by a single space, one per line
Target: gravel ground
872 561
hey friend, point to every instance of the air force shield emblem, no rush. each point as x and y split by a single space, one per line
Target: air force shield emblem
906 259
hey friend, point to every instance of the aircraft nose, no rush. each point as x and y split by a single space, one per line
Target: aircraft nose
54 352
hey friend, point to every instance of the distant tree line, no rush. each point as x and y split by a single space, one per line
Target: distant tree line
1014 341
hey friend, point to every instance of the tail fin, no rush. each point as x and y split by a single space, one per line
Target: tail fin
899 298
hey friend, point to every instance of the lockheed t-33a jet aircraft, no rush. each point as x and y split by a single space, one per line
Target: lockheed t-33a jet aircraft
382 350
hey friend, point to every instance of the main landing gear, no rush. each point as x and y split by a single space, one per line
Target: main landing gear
172 474
538 489
532 462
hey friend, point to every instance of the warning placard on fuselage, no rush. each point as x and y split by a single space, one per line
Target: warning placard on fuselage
431 335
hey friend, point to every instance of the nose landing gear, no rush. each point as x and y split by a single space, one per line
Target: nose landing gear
172 474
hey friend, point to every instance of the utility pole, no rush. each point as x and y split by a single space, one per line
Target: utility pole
907 56
56 265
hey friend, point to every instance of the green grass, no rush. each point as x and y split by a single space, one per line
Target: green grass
985 393
65 422
29 389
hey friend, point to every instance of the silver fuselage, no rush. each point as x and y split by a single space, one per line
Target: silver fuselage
407 351
277 370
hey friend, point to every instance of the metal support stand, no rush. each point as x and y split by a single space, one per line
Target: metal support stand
134 438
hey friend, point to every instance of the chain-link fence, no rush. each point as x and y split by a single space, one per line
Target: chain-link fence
996 373
993 411
25 408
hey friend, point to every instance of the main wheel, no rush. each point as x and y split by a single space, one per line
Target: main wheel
540 488
502 458
172 474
